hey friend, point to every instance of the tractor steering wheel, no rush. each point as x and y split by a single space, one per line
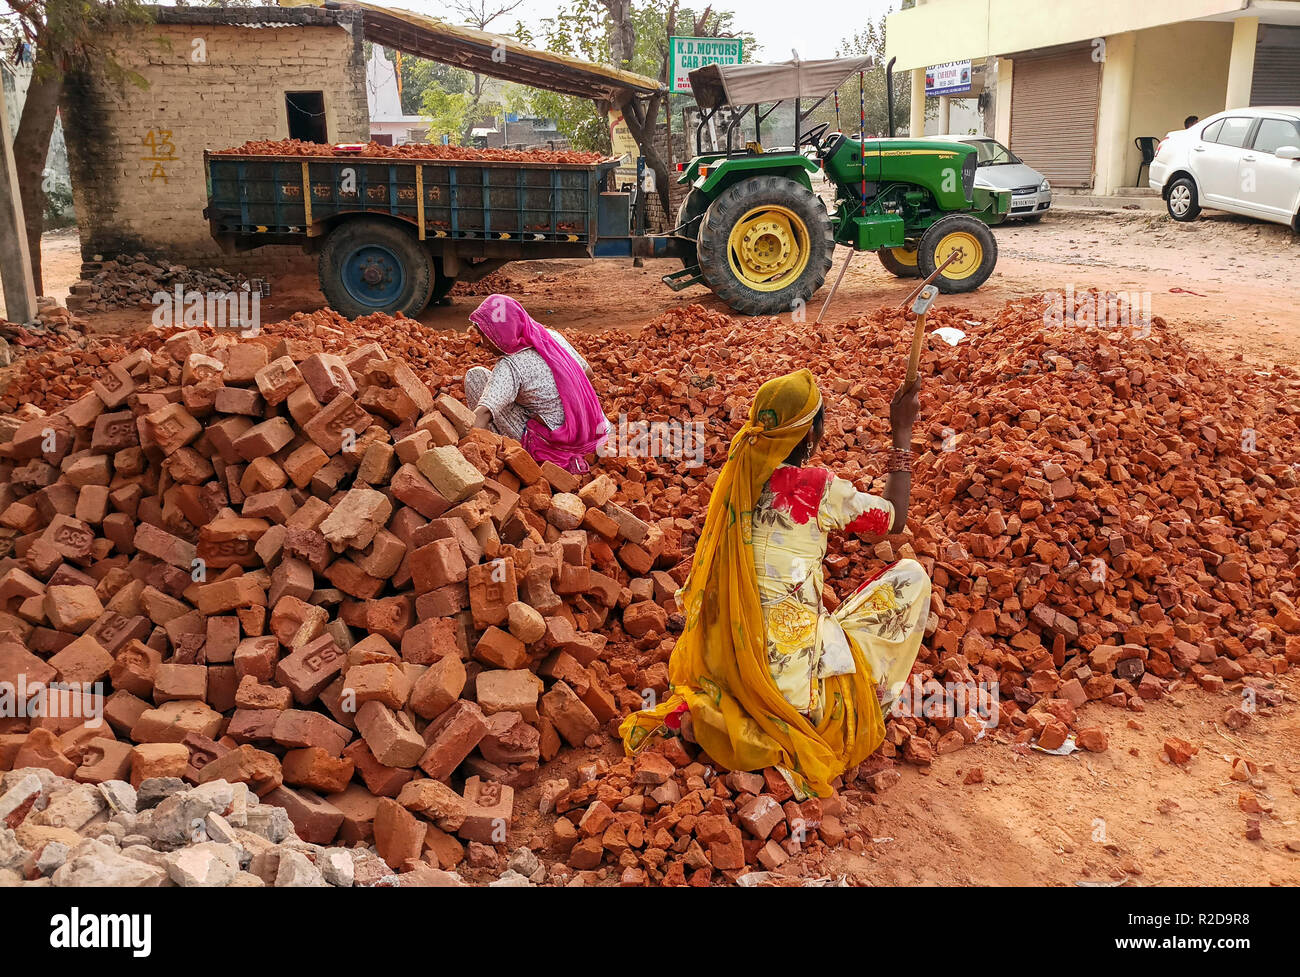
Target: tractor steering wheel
814 135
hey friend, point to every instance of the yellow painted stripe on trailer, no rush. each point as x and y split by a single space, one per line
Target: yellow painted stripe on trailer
419 198
306 193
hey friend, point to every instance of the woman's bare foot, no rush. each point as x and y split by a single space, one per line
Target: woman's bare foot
688 728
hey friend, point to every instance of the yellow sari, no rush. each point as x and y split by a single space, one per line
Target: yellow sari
719 667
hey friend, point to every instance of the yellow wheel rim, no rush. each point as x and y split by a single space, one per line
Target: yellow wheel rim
904 256
768 248
970 254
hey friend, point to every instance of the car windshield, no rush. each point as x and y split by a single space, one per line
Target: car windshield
990 152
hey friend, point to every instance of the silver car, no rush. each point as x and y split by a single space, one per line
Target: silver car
997 168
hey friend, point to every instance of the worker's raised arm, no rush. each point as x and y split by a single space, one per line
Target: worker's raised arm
903 410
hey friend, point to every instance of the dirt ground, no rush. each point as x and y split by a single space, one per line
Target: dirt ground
1125 816
1225 281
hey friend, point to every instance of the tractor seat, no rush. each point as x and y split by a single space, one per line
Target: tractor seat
832 145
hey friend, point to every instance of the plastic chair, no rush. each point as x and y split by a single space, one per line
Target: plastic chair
1147 147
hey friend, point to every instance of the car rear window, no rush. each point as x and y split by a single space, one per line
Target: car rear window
1211 132
1232 133
1273 134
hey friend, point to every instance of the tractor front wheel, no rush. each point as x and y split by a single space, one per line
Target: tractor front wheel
368 265
765 245
972 242
900 262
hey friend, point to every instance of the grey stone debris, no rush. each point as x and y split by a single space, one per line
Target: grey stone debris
12 854
207 865
155 790
269 821
337 867
510 879
119 795
527 864
72 808
19 793
52 857
179 819
297 871
50 781
101 866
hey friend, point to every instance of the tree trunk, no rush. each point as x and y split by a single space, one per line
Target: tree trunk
642 117
471 114
31 148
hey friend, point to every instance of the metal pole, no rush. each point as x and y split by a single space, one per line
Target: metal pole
836 287
862 135
16 270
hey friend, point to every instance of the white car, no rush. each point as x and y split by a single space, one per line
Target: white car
1244 161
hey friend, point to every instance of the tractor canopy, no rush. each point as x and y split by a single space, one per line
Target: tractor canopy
718 85
734 91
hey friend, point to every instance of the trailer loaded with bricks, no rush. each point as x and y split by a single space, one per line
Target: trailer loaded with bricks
396 232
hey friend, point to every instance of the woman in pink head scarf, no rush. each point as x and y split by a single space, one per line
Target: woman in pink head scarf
539 392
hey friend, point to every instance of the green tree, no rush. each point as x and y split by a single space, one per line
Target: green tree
629 36
419 75
447 113
480 14
69 36
869 41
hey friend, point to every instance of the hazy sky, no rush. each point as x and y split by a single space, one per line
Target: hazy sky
812 27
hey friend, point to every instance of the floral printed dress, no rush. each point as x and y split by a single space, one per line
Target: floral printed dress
884 618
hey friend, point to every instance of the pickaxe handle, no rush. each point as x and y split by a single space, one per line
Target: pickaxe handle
914 362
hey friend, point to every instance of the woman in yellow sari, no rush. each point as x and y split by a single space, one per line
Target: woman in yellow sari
761 675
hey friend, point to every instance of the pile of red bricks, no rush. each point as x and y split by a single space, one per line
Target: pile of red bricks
373 150
307 572
670 817
1104 517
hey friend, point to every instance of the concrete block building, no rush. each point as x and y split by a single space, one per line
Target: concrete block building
1078 81
212 78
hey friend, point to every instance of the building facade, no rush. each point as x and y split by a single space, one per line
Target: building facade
1079 82
209 79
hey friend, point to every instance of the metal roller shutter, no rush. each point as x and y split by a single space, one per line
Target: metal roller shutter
1276 79
1054 114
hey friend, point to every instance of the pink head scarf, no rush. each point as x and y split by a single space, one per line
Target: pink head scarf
510 329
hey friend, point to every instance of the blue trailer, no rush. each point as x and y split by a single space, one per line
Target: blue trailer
394 234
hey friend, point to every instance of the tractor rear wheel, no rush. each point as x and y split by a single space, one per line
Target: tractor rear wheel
689 216
765 245
368 265
900 262
973 243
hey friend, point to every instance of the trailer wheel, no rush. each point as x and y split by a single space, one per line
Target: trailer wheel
974 244
765 245
900 262
689 216
442 285
369 265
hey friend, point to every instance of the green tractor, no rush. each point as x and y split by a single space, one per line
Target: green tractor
763 239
